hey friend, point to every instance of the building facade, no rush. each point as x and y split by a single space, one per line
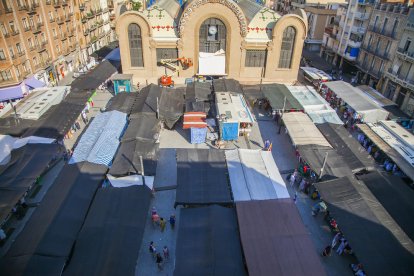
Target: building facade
380 43
256 42
343 39
399 78
46 38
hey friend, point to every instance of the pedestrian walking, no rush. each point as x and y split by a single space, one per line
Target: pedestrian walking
159 261
266 145
152 249
155 219
336 239
327 251
342 246
172 221
162 224
166 253
292 179
153 211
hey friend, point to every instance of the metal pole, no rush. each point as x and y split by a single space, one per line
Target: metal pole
14 109
142 169
323 165
158 109
281 116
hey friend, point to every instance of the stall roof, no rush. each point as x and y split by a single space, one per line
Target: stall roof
127 159
254 175
306 95
276 93
208 242
20 173
171 105
324 116
122 77
378 249
202 177
275 240
227 85
194 119
314 156
100 141
316 74
402 135
396 157
376 96
166 174
234 107
54 225
144 126
302 130
358 101
347 146
253 92
395 195
110 238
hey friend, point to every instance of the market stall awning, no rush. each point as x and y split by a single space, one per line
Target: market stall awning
276 94
208 242
33 83
11 93
194 119
379 250
302 130
275 240
212 64
358 101
390 152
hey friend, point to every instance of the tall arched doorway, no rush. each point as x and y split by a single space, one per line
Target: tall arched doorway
212 36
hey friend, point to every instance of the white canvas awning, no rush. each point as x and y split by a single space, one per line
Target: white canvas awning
130 180
212 64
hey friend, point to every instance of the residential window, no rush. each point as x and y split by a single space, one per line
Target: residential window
378 45
372 64
387 48
11 25
11 51
381 66
25 67
364 63
54 32
394 28
286 51
30 42
25 24
3 29
43 37
51 15
35 61
135 45
6 75
19 48
385 25
166 53
407 45
2 56
31 21
17 72
255 58
375 22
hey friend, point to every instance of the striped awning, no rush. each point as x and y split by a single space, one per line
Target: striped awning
194 119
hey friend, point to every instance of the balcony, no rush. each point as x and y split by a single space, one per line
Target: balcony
48 2
81 7
405 55
71 33
8 9
98 12
6 35
380 31
40 48
358 30
51 20
84 20
44 42
36 29
63 36
26 28
354 43
21 53
21 7
89 15
32 47
401 80
86 32
64 2
361 16
60 20
366 2
67 18
56 3
14 32
31 9
40 65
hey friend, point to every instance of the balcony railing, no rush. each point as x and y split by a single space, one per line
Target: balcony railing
64 2
405 54
56 3
21 53
32 48
67 18
21 7
82 7
404 81
63 36
44 42
31 9
14 32
26 28
40 48
40 65
380 31
52 19
36 29
48 2
8 9
60 20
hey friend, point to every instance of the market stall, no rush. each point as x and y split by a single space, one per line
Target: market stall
315 76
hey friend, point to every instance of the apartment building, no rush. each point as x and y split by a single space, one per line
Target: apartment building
94 26
320 14
49 38
399 78
343 39
380 43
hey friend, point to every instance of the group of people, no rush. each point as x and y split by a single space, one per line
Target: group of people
159 260
343 246
160 221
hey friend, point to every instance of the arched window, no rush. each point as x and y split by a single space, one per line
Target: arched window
286 51
135 45
212 36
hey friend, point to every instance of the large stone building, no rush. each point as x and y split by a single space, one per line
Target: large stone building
257 42
49 38
399 78
380 43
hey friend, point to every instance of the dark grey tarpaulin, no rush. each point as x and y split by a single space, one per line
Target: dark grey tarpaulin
154 93
355 155
227 85
13 127
20 173
166 174
127 159
202 177
96 77
111 236
202 91
197 97
139 102
395 196
143 126
395 112
42 265
58 122
275 240
54 226
276 93
208 242
373 244
105 50
171 106
314 156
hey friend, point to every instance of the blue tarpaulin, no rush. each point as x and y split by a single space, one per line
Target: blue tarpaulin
33 83
198 135
11 93
229 131
114 55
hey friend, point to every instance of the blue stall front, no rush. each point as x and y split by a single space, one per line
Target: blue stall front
122 83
